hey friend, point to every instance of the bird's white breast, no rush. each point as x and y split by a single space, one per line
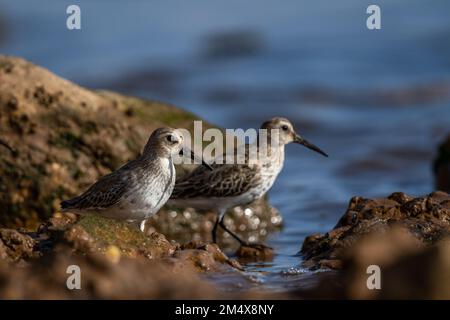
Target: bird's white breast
146 198
269 171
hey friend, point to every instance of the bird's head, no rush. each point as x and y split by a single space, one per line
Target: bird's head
287 133
168 142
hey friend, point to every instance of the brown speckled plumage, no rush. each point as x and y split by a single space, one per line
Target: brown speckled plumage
230 185
224 181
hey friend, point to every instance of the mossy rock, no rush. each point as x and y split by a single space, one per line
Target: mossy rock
93 233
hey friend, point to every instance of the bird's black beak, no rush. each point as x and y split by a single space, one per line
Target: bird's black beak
195 158
298 139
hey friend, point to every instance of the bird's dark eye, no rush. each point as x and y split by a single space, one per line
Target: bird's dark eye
170 138
284 128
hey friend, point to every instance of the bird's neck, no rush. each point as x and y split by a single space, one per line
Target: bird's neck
268 153
157 167
167 162
277 154
153 151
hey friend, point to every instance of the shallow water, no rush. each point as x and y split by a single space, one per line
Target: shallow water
377 101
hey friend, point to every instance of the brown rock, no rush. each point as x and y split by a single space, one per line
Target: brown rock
256 252
16 246
427 219
408 270
204 257
101 279
117 262
380 249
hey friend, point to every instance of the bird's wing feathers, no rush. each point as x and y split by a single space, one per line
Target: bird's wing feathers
224 181
104 193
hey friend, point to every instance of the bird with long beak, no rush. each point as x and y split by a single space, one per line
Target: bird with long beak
231 185
139 188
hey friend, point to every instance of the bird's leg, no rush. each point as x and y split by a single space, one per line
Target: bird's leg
220 221
216 224
214 230
235 236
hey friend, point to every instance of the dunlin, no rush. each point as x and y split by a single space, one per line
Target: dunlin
139 188
231 185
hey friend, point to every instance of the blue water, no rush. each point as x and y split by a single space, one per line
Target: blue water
315 62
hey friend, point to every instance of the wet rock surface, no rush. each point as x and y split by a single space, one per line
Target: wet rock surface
427 219
98 234
117 260
405 240
101 278
407 269
16 246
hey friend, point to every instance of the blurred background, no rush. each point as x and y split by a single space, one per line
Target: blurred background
377 101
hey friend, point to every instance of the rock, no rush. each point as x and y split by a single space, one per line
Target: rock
423 275
442 166
97 234
257 252
114 258
130 265
427 219
407 238
16 246
408 269
205 258
101 279
117 239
